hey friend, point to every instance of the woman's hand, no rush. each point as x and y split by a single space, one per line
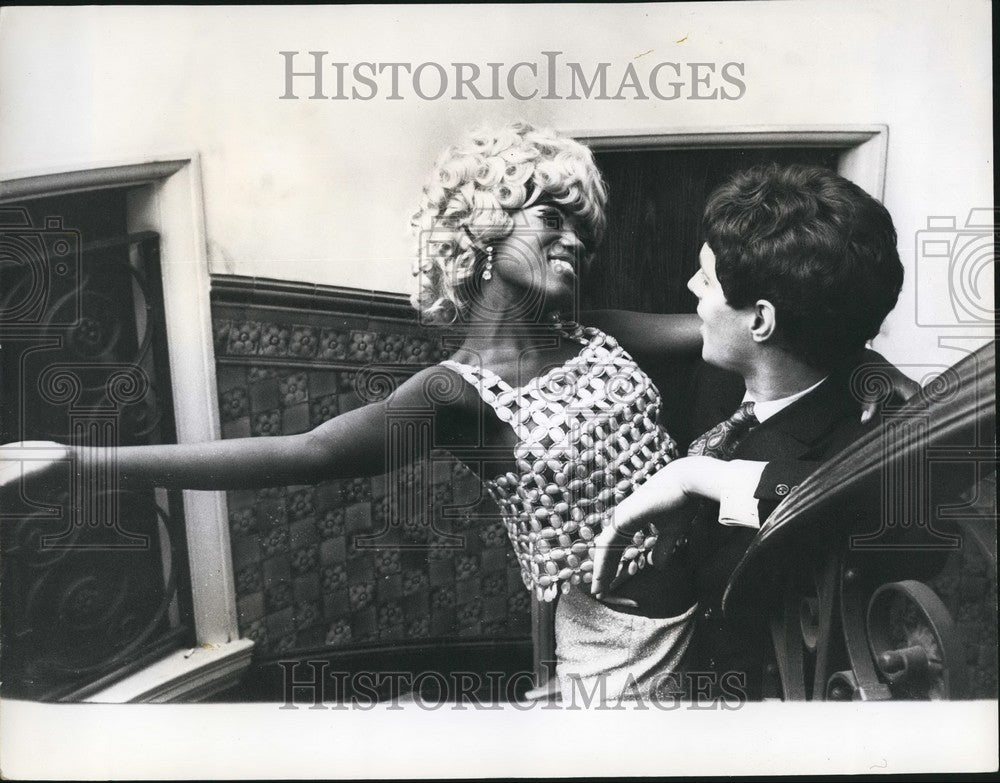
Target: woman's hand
29 461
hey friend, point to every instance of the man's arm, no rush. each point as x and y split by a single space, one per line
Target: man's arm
668 498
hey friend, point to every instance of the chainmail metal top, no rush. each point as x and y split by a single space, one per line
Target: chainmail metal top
587 437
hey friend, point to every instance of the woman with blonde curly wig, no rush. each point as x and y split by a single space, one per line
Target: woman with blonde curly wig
556 419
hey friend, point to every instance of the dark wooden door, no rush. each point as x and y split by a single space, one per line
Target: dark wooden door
654 221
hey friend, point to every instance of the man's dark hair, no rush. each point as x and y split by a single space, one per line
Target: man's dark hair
816 246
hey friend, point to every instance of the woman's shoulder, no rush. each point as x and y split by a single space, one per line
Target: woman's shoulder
593 337
437 387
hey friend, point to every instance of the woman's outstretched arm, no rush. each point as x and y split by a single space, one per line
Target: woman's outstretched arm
650 335
349 445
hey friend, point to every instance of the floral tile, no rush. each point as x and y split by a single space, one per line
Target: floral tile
361 595
331 523
271 513
339 633
443 597
334 345
257 632
346 381
494 585
494 534
300 504
519 603
293 389
304 560
242 521
303 342
265 424
466 566
334 577
387 562
274 339
414 580
220 331
258 373
233 404
323 409
275 542
249 579
469 613
307 615
420 350
362 347
244 338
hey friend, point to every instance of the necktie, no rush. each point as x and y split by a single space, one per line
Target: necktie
720 441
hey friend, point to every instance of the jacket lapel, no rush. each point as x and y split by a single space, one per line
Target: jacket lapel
791 433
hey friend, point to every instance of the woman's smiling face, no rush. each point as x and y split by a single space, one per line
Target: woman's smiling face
543 258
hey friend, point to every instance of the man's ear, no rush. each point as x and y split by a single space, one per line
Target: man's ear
765 321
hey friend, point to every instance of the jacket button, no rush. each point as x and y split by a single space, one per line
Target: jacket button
781 490
707 614
680 543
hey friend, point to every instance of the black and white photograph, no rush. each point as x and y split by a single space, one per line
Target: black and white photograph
497 390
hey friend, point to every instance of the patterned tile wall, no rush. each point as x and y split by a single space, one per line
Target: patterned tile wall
305 576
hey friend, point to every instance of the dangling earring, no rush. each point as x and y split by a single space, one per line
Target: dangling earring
488 271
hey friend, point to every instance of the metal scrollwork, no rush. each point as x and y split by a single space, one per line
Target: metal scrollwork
95 580
913 641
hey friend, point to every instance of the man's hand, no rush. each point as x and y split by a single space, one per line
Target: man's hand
667 500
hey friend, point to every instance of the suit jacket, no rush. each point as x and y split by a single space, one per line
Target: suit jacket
794 442
695 564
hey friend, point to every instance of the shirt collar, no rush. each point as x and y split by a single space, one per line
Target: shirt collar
765 410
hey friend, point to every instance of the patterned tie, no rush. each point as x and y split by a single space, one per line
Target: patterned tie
720 441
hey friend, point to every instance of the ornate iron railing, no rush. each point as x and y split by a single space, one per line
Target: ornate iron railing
892 591
94 577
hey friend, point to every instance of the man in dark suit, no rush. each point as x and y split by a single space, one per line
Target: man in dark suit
798 271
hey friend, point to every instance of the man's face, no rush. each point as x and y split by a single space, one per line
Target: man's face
725 332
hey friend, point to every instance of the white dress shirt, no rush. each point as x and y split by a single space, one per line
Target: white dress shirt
738 506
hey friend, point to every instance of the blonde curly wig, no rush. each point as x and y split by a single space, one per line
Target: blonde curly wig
475 186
